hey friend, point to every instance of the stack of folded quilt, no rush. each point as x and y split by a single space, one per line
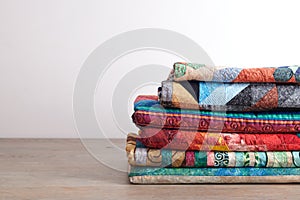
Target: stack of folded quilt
218 125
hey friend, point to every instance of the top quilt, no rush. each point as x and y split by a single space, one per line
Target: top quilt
201 72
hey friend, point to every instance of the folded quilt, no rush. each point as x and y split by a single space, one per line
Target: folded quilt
192 71
229 96
152 175
139 155
178 179
214 171
209 141
149 113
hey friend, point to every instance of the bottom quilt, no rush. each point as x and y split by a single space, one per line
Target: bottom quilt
152 175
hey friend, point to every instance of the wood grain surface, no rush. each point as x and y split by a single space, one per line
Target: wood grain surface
63 169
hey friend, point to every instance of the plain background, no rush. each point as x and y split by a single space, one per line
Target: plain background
43 44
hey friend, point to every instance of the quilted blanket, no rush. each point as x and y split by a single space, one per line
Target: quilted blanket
192 71
230 96
209 141
153 175
149 113
139 155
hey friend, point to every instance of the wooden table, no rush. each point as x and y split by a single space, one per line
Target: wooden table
63 169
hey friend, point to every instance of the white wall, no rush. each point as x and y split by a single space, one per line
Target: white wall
43 44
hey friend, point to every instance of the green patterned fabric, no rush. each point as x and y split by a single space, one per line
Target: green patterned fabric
179 70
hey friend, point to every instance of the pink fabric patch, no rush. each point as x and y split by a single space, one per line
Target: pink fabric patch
189 159
210 159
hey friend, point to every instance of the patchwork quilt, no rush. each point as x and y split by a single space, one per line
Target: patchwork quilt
209 141
139 155
192 71
218 96
153 175
149 113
